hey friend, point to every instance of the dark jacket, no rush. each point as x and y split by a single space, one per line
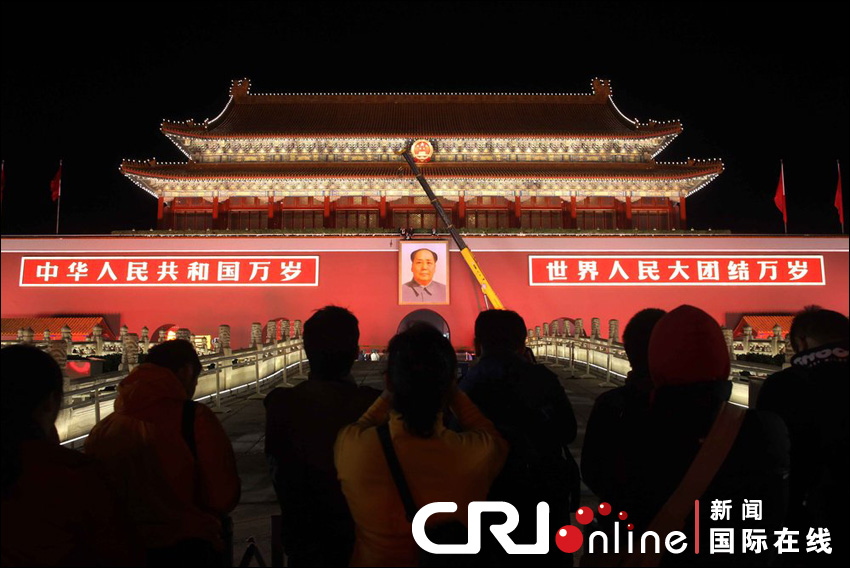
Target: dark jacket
616 424
756 468
811 397
530 408
301 427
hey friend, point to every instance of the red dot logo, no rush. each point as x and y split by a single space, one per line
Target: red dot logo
604 509
584 515
623 515
630 526
569 538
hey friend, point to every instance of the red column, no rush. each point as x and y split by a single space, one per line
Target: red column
461 211
671 218
160 206
629 224
517 211
215 207
328 219
573 213
683 216
382 212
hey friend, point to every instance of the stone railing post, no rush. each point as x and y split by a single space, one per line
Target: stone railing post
728 336
20 334
67 338
97 337
256 334
224 340
144 340
28 335
161 336
545 329
595 328
58 351
530 334
123 333
297 331
578 330
271 332
775 339
285 329
130 354
613 331
748 335
185 334
46 336
537 332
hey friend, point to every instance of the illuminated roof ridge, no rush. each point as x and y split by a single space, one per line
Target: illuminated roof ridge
405 114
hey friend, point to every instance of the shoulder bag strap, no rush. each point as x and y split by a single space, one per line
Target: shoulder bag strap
187 426
395 470
705 466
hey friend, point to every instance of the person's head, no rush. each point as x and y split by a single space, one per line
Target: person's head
31 394
499 331
815 326
636 338
179 357
421 372
687 347
423 264
331 341
31 386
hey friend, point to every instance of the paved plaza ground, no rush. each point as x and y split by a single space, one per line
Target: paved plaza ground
244 421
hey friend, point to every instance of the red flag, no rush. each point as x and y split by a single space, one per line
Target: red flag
839 200
56 184
779 198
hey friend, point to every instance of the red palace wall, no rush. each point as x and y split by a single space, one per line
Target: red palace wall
362 273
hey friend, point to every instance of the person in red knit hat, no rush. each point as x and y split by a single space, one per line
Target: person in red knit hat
689 365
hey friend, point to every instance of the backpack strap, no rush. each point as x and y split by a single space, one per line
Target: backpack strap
395 470
187 426
710 457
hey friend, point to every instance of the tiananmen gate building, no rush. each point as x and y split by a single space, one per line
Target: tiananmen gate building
289 202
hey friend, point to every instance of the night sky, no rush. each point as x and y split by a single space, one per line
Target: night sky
752 84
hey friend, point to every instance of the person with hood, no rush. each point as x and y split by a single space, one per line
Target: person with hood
811 397
689 365
170 457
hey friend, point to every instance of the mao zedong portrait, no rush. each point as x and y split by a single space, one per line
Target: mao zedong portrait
423 288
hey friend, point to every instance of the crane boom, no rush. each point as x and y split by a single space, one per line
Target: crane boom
461 244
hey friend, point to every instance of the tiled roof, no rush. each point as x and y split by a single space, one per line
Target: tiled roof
81 326
420 115
762 324
434 170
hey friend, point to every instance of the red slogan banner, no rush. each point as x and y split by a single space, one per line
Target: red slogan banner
675 270
170 271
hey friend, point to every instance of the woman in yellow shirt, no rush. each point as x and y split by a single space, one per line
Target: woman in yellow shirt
438 464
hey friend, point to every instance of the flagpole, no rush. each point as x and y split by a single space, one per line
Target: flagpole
840 196
784 201
59 197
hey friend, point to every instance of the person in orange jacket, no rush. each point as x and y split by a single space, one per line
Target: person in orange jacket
56 511
438 464
176 494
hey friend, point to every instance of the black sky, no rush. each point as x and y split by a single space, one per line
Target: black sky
751 83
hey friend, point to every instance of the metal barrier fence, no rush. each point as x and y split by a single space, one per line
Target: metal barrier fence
90 401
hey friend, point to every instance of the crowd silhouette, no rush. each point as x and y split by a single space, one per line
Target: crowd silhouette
351 465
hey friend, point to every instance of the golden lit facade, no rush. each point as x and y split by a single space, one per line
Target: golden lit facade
302 162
